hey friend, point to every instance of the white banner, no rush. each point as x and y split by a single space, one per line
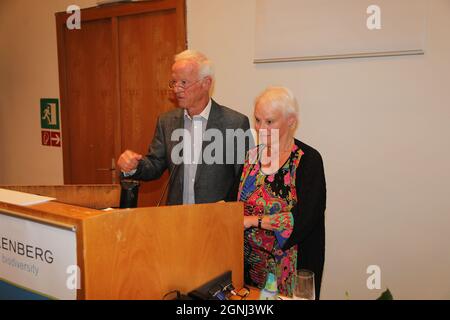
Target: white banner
37 257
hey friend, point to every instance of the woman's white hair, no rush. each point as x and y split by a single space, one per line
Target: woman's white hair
205 66
280 98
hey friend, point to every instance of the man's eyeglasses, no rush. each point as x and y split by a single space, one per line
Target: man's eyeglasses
183 84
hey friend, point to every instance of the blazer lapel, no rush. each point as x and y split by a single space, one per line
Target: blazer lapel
177 122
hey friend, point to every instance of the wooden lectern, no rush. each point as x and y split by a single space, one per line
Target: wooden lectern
141 253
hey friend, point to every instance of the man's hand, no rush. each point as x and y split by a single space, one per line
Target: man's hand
128 161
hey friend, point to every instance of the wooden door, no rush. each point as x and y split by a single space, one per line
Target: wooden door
146 47
113 81
89 120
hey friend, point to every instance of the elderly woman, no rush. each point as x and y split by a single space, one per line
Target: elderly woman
283 188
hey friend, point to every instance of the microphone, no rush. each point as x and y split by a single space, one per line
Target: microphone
172 174
261 148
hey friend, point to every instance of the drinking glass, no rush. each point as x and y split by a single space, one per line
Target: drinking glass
304 285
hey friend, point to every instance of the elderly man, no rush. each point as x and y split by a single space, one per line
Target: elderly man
194 179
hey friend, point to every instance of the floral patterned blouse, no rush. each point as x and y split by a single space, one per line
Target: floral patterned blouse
273 195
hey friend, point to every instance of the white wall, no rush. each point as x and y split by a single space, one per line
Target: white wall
28 72
381 125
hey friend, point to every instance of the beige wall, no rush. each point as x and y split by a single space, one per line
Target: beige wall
381 125
29 71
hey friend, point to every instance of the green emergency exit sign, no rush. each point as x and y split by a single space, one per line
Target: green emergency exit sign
50 114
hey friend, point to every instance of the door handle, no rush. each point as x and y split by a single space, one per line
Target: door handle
112 170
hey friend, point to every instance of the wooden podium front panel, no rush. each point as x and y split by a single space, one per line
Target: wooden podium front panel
146 253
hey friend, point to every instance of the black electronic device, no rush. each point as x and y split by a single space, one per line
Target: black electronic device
218 288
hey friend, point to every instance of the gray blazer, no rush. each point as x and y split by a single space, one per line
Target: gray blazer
213 182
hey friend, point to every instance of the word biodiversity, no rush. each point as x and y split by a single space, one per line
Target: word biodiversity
12 262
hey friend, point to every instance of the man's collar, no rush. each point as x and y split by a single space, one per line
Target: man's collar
204 114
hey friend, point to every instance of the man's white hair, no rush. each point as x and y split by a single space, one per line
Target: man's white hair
281 98
205 66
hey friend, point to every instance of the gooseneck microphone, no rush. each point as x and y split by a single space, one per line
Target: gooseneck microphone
260 150
172 174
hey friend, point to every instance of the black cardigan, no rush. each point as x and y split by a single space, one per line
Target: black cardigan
309 214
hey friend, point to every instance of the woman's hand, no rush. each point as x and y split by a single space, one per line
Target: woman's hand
250 221
283 221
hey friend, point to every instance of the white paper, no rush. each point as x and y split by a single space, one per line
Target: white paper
21 198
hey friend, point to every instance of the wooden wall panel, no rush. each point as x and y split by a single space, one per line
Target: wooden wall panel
147 44
90 196
113 82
